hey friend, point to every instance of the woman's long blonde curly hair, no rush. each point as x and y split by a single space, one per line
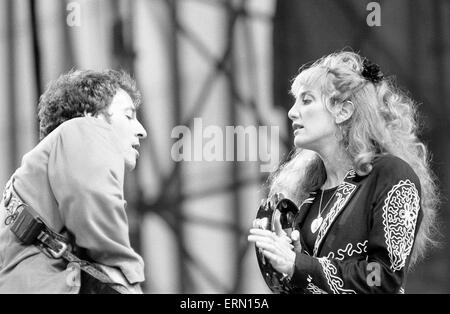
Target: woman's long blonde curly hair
384 121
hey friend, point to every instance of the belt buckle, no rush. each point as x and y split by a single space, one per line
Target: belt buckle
44 238
60 252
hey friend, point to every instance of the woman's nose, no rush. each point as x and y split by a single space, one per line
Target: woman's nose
293 113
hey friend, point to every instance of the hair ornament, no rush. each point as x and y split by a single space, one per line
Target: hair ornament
371 72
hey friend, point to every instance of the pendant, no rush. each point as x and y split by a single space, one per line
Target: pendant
316 224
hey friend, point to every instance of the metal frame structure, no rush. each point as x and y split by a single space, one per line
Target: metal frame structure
168 205
172 197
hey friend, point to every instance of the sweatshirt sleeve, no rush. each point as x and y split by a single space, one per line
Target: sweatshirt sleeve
86 173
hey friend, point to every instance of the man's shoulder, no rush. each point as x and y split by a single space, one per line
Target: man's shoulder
89 133
80 124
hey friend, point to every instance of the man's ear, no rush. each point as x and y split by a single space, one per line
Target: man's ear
344 112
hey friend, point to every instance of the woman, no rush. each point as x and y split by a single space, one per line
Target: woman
362 178
73 182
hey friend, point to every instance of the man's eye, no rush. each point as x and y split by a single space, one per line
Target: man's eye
129 117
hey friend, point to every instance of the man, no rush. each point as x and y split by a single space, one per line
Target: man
73 182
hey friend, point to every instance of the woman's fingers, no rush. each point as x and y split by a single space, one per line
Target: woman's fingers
266 246
278 250
274 246
261 232
260 223
287 239
256 238
271 256
269 234
278 246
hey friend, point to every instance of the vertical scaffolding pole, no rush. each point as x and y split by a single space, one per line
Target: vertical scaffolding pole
124 58
67 44
231 16
178 181
36 56
10 73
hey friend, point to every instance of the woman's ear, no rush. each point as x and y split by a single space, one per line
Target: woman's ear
344 112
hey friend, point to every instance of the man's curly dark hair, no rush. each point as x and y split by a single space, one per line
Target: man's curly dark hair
78 93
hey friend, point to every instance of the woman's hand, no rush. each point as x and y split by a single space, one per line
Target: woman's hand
276 245
278 249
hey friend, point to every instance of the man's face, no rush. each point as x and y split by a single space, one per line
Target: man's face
122 117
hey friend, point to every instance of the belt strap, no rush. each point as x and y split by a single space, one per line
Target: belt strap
59 249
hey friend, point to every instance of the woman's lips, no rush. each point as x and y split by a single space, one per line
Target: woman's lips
297 127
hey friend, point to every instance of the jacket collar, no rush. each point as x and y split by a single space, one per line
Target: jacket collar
344 193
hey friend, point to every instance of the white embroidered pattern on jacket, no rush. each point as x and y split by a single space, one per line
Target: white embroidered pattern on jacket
348 251
400 211
350 174
335 283
343 194
312 288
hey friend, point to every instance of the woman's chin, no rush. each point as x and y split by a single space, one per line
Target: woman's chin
300 143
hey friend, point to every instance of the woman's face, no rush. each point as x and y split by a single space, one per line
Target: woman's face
312 122
122 118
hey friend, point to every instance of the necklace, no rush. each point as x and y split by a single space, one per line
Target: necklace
316 223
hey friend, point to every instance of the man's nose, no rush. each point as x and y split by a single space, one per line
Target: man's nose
141 132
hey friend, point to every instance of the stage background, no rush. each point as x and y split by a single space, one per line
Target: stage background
229 63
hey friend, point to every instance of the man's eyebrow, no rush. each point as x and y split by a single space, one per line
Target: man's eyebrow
132 108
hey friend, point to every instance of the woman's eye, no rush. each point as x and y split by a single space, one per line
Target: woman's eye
307 101
129 117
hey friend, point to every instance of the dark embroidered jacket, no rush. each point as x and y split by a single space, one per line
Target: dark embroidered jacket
365 241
